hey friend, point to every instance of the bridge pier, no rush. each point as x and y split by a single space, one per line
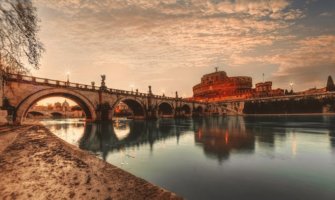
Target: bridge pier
104 112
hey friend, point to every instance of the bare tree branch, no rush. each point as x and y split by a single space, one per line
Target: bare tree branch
19 42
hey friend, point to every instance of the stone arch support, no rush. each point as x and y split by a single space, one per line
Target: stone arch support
186 110
27 102
135 104
165 109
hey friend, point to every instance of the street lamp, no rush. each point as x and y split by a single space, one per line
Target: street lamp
291 84
68 76
163 91
132 87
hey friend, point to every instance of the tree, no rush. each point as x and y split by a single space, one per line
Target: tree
330 84
19 42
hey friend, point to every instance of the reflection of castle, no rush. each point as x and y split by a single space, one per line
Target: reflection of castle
219 137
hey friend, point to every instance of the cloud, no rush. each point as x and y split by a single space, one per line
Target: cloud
157 38
326 14
308 61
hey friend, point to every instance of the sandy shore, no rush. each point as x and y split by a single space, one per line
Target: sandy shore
35 164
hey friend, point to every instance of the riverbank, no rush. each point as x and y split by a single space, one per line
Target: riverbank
290 114
36 164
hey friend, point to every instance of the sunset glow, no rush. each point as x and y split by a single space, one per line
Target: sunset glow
171 44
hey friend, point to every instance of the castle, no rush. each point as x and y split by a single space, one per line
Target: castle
218 86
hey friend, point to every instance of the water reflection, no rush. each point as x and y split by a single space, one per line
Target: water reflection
332 138
105 138
290 157
219 136
330 120
68 129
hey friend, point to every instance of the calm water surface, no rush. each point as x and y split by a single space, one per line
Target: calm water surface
272 157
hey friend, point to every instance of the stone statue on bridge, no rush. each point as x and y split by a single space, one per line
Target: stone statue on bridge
103 84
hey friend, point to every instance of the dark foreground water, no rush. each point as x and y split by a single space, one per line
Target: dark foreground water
272 157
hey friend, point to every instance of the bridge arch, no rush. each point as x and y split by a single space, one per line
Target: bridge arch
186 109
25 104
199 111
56 114
165 109
134 104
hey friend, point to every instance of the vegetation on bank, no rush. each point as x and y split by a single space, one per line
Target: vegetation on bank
292 106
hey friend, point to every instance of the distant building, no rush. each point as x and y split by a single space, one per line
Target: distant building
39 107
63 109
66 106
277 92
264 89
57 106
312 91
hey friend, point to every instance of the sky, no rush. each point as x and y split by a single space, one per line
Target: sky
170 44
53 100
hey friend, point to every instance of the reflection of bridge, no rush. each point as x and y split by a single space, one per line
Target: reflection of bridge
217 136
98 103
102 137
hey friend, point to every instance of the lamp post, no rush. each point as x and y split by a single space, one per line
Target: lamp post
68 77
132 87
291 85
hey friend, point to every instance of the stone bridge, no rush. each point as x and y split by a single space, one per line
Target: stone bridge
20 92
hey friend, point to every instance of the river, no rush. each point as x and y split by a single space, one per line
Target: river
251 157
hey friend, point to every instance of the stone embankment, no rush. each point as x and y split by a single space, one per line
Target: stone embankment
35 164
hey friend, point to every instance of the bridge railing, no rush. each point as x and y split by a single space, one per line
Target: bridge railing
58 83
45 81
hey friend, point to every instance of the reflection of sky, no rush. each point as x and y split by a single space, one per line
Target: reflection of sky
70 130
52 100
269 158
121 130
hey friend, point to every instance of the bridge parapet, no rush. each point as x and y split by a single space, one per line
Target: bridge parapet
79 86
98 102
45 81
